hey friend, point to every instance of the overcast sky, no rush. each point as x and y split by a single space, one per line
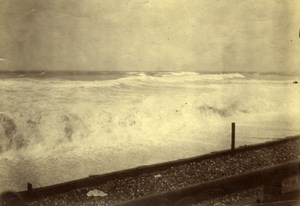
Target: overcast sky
140 35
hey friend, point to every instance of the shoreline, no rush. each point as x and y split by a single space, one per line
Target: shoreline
210 167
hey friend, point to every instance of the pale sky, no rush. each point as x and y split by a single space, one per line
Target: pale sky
142 35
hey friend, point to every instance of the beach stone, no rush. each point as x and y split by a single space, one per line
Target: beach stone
96 193
157 176
219 204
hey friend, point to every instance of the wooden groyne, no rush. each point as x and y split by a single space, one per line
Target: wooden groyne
96 180
269 178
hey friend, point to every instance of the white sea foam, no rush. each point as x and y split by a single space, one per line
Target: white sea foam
132 79
57 130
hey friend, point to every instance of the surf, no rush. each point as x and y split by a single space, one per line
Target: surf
49 125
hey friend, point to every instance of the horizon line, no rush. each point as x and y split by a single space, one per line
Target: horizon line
147 71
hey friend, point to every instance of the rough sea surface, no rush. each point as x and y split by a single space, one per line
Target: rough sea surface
56 127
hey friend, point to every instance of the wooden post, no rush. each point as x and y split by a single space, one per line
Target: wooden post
232 136
29 187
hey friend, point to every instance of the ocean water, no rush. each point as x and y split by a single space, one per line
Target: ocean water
56 127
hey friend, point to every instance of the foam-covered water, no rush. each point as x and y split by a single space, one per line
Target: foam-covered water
55 129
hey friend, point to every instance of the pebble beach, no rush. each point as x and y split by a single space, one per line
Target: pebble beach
128 188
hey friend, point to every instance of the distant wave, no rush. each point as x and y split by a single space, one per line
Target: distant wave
127 78
180 73
138 78
194 76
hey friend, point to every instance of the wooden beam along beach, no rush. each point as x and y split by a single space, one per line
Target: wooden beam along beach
233 167
268 178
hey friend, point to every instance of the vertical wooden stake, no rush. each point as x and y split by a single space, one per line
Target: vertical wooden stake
232 136
29 187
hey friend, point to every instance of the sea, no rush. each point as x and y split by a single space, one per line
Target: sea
60 126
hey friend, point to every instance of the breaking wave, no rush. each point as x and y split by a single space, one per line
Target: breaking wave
49 126
141 78
71 114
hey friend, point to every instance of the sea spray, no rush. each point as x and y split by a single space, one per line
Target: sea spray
54 130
